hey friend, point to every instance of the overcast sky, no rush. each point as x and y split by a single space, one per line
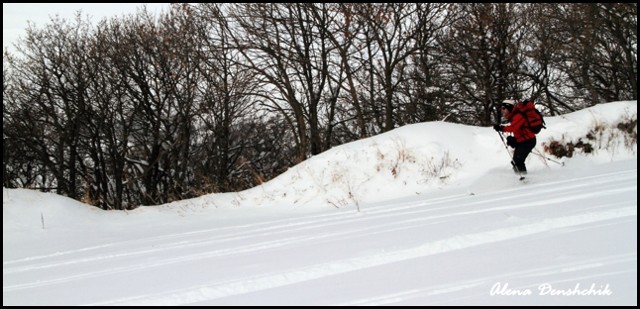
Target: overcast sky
15 16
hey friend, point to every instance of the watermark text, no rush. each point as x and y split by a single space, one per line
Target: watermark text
546 289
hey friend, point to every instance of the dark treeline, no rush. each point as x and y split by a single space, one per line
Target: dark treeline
144 109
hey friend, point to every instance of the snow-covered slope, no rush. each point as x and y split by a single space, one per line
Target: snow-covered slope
462 233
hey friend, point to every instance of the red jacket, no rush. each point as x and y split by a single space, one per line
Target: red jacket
518 128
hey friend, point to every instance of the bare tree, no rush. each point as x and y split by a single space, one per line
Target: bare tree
22 166
543 42
53 78
285 45
390 34
425 90
601 58
484 57
227 91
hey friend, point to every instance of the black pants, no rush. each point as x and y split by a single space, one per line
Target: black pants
520 154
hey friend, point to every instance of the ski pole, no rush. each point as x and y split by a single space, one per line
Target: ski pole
549 159
512 162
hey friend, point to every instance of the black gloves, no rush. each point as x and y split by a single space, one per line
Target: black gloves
498 128
511 141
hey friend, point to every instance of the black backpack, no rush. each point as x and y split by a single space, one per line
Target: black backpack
535 120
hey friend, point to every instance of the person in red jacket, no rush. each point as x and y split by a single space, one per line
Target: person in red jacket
525 139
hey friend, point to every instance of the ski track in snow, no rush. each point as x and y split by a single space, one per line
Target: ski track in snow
308 229
392 298
266 281
278 227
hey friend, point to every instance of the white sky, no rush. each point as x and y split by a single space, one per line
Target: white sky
16 15
442 220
